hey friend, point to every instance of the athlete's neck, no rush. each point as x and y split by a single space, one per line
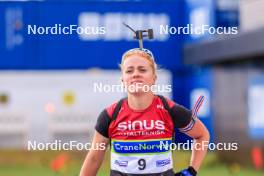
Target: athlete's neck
140 101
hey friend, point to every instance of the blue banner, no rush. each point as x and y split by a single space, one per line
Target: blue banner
81 35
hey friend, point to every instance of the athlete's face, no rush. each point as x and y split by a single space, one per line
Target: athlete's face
137 73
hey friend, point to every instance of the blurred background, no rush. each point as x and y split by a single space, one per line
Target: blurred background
47 80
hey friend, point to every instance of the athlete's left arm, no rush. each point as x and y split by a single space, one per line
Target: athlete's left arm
201 138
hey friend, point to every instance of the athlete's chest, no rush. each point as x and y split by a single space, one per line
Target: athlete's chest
152 124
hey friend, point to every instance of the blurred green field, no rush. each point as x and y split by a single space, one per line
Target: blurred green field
24 163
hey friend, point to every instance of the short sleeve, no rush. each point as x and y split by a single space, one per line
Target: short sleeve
182 118
102 124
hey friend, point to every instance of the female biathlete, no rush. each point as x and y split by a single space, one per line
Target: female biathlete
139 127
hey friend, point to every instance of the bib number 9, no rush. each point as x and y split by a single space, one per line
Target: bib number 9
142 164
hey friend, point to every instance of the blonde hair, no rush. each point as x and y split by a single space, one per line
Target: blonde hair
137 51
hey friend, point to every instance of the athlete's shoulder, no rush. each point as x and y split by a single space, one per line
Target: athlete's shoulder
111 108
170 102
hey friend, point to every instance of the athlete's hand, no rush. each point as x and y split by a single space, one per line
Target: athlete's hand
190 171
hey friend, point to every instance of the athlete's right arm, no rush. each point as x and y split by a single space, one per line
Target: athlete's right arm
95 155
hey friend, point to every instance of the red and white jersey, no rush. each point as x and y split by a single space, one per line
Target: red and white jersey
140 139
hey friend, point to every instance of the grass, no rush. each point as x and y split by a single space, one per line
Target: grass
24 163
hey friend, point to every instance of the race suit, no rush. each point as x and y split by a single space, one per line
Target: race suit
140 139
